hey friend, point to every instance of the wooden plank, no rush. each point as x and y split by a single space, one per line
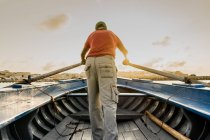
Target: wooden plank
155 128
147 133
67 133
120 127
139 135
122 114
133 126
136 132
61 128
129 136
87 135
120 136
126 126
78 135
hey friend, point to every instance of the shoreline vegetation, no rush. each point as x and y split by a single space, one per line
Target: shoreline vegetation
7 76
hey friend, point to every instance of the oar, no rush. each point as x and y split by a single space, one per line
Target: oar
166 74
166 127
33 79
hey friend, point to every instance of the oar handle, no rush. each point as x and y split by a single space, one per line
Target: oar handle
33 79
165 74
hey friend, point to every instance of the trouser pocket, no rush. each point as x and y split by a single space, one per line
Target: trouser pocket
87 70
115 93
106 70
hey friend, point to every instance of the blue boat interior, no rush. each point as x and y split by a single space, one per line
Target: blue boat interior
60 111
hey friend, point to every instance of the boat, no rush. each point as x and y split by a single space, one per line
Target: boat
147 110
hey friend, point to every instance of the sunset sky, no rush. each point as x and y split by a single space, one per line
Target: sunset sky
42 35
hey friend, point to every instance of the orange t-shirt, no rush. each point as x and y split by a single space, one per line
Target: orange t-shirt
102 42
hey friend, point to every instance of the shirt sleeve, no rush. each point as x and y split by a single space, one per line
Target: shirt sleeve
87 44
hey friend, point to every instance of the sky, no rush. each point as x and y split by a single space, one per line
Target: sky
39 36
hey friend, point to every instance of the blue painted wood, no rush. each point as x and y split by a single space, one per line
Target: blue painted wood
14 104
193 99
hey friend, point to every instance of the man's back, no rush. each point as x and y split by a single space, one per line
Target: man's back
102 42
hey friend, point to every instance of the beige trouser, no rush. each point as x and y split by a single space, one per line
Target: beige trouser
102 96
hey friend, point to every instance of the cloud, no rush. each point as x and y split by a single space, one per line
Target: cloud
54 22
48 67
163 42
176 64
153 62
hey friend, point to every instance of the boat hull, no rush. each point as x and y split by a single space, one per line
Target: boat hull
72 106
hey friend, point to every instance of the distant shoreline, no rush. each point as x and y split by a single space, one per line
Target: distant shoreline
7 76
159 78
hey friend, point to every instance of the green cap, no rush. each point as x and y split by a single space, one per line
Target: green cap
100 25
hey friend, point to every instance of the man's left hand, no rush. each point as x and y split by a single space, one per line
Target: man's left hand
83 61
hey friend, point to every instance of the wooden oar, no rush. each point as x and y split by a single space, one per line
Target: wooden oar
33 79
166 127
166 74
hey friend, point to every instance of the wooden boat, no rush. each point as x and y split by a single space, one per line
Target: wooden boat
29 113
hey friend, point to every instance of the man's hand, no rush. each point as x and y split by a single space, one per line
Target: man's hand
83 61
126 61
83 53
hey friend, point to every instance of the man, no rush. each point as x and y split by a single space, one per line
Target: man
101 75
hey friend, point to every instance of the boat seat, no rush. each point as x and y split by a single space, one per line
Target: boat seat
122 114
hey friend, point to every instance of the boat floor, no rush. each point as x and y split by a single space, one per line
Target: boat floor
127 130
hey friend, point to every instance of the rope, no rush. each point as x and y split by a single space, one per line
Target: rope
27 81
68 126
57 111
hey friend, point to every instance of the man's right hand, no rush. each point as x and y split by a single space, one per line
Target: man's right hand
126 61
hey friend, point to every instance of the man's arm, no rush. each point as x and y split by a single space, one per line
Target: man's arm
83 54
122 48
